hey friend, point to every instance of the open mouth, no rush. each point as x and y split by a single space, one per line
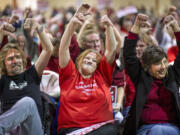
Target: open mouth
88 64
161 72
15 66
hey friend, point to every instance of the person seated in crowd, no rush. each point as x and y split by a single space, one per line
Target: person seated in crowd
19 88
155 108
89 38
8 32
165 35
86 105
173 49
53 63
129 87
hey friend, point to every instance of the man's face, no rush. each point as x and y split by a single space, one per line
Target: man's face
13 62
93 42
140 48
159 70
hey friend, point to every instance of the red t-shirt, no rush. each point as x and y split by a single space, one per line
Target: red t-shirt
171 53
85 102
4 41
28 62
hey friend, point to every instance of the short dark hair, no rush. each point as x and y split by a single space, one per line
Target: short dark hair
152 55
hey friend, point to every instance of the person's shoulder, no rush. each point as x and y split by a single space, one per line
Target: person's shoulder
3 78
30 71
30 68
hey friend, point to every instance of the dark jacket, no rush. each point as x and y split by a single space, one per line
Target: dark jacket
143 83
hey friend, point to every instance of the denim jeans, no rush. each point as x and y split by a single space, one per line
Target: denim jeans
159 129
25 114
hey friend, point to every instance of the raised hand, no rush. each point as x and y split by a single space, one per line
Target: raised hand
7 29
171 23
140 19
81 15
31 25
13 19
83 9
173 11
27 13
106 21
146 34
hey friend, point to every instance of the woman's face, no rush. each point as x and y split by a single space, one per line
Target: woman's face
127 22
159 70
89 64
93 42
140 48
21 42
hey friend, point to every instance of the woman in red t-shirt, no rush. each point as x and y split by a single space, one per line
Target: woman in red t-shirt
86 105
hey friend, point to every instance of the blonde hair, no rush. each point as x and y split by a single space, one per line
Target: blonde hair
87 29
3 53
80 58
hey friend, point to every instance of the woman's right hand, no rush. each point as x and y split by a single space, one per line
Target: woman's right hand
171 22
7 29
80 15
145 34
140 20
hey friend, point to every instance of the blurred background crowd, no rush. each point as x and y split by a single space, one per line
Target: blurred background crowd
55 14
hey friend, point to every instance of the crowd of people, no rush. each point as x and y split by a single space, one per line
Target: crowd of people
131 52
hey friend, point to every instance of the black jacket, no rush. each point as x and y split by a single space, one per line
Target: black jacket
143 83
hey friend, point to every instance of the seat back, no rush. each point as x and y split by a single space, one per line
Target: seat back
50 83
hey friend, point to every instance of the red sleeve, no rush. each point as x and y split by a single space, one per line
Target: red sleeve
4 41
172 53
66 72
177 35
132 36
106 70
28 62
118 79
